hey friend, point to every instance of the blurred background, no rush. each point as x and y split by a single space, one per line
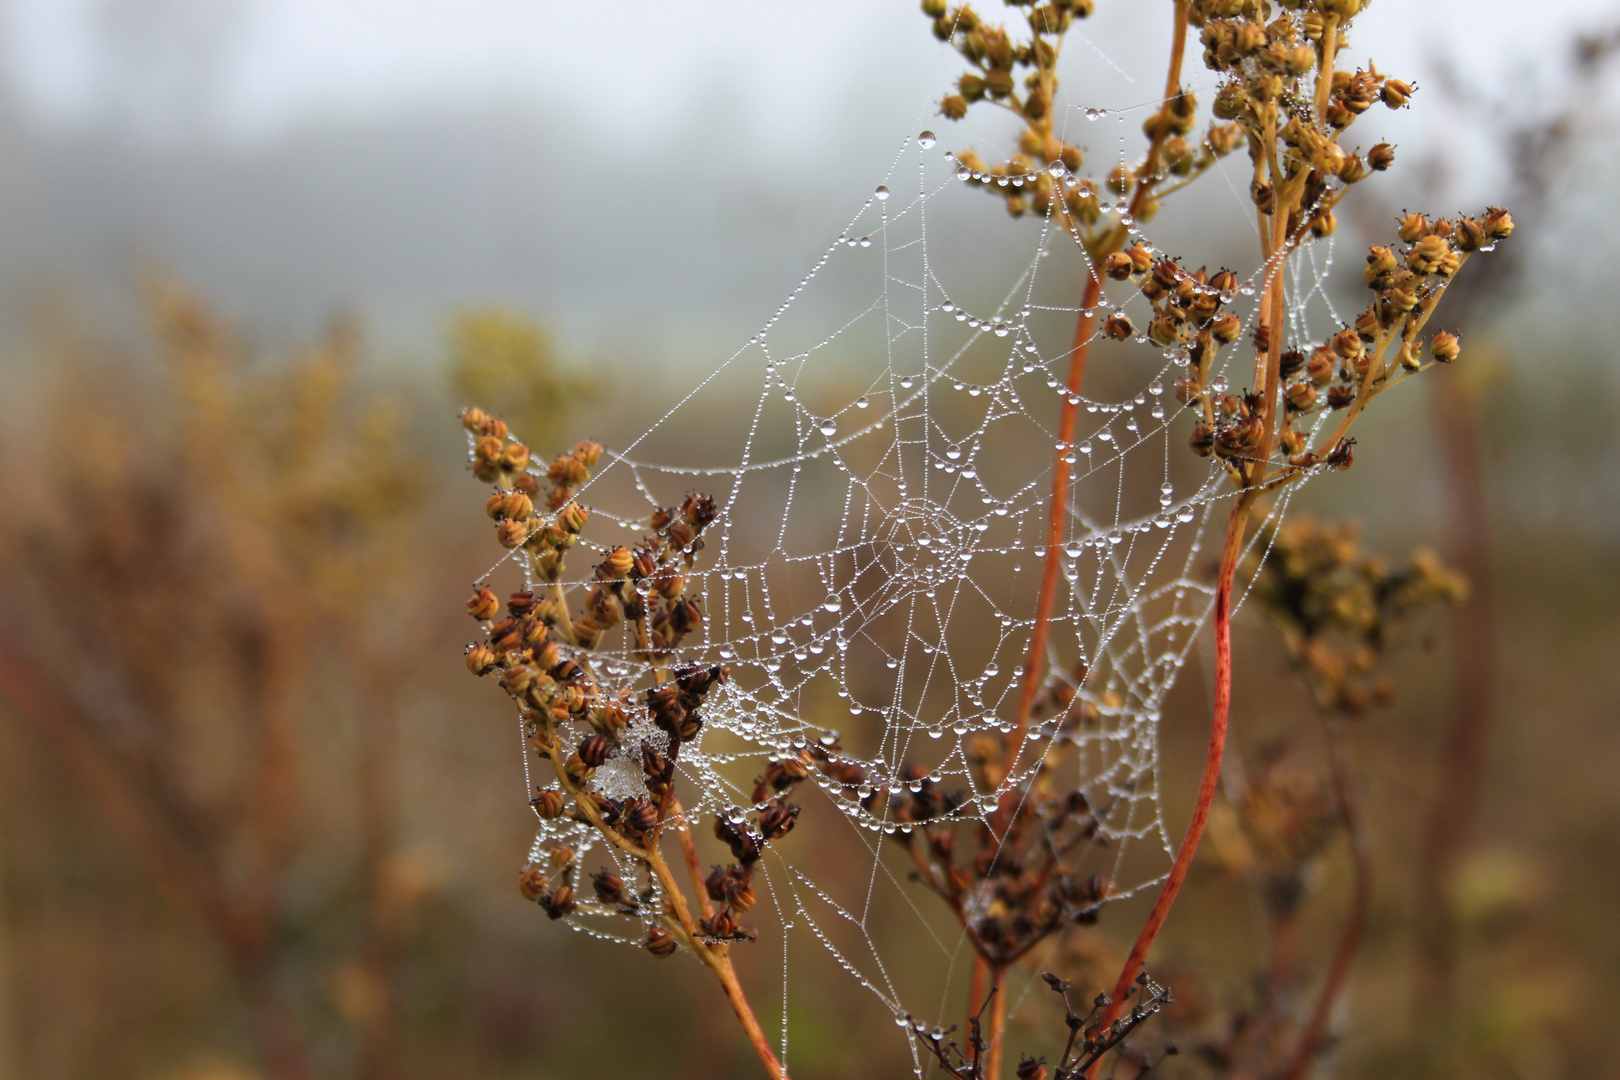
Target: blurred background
255 821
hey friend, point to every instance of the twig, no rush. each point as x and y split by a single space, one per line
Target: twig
1360 905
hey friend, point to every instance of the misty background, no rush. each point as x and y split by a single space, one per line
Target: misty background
647 181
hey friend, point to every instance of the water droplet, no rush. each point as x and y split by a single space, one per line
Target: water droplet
1185 514
1074 551
1003 181
975 390
1247 288
1096 114
862 403
947 306
907 383
1158 411
787 395
1002 329
881 192
961 316
1057 168
828 428
1219 384
833 603
926 140
964 173
954 452
866 241
1155 387
1085 447
736 815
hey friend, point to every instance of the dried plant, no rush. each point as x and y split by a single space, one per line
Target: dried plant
1011 878
161 630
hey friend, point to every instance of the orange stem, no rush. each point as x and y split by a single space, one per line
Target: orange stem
1060 512
998 1021
1212 763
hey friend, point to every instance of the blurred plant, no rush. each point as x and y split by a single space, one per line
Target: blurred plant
506 361
164 613
1536 136
1339 613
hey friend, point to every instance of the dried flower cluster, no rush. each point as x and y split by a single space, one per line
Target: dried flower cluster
1336 607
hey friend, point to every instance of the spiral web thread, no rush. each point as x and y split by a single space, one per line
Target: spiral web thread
884 493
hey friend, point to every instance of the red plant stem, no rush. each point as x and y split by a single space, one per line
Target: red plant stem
996 1025
1059 518
1212 763
1360 906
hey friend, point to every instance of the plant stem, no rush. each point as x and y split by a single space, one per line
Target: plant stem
1059 518
1212 762
689 850
1360 906
997 1023
720 964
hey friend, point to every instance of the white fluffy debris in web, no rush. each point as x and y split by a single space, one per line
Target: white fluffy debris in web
620 777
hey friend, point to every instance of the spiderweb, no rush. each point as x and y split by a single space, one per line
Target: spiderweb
882 452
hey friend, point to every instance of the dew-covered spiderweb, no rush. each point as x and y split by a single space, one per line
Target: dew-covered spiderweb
882 453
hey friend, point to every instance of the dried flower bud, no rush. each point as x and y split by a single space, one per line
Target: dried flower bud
934 9
1340 396
1290 363
1396 93
484 605
549 803
1030 1069
1413 227
515 457
512 534
609 886
618 564
1301 396
480 659
1380 157
473 418
1231 100
594 750
1498 223
1347 344
1445 346
1342 456
1381 263
1118 266
493 506
517 506
1319 368
559 903
568 470
659 942
532 884
1118 327
1226 328
1202 439
953 107
777 821
571 518
1427 255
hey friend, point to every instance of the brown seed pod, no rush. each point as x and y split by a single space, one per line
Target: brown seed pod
484 605
1118 327
480 659
594 750
549 803
609 886
532 884
659 942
